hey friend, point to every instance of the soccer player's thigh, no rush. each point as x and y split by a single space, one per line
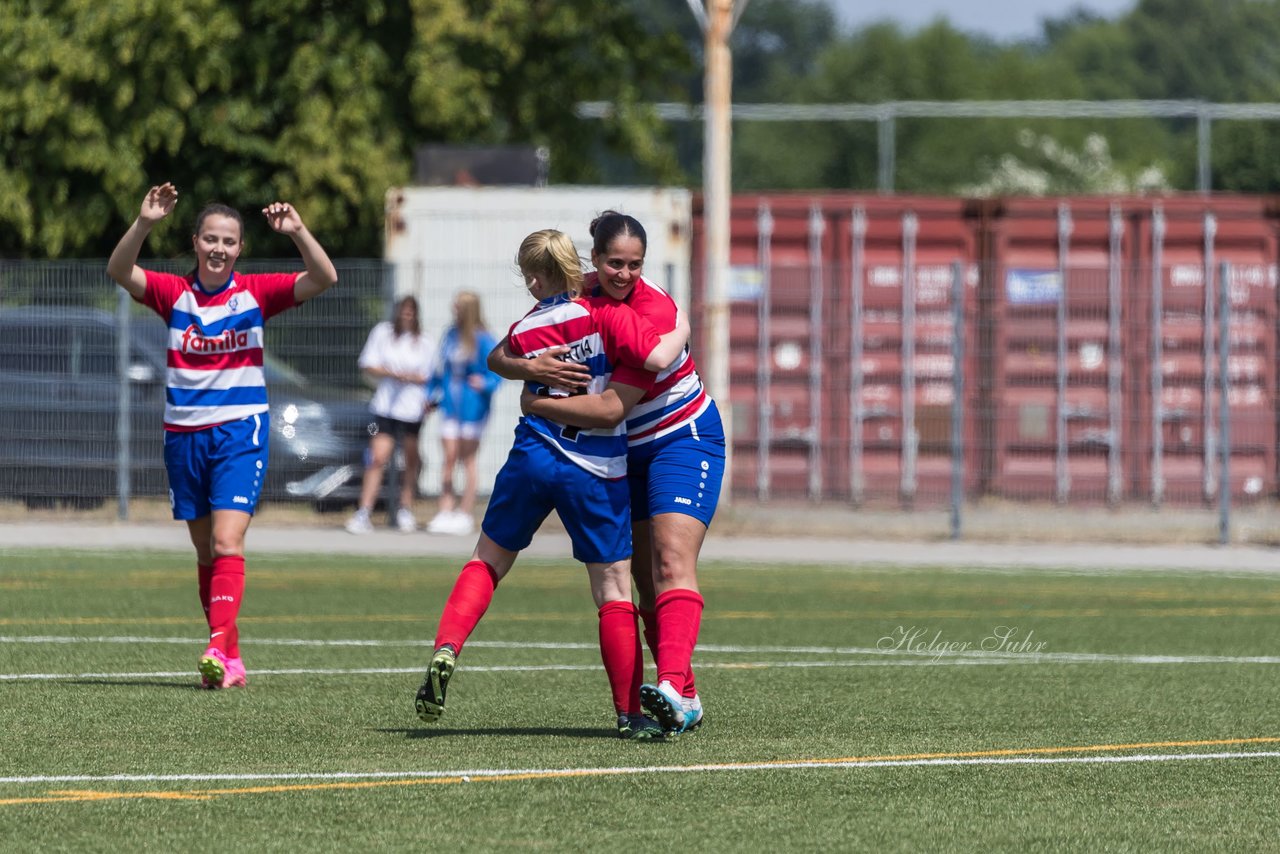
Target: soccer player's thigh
186 460
684 477
523 495
238 465
596 514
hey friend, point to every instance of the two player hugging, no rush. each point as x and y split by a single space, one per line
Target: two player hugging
653 480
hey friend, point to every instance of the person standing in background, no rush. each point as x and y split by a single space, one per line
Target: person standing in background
462 387
398 357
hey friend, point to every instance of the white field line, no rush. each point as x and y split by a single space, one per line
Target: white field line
907 656
535 773
496 668
938 661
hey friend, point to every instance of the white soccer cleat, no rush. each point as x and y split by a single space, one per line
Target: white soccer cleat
692 712
665 705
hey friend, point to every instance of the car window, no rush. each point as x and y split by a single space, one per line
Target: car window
93 353
31 349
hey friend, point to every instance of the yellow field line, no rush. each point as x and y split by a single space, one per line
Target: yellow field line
83 796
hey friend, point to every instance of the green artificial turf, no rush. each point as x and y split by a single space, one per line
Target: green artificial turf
1068 737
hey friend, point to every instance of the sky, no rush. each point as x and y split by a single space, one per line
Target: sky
999 19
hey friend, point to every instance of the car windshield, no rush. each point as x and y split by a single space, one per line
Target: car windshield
278 373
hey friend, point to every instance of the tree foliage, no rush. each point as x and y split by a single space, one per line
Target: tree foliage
322 103
1212 50
317 102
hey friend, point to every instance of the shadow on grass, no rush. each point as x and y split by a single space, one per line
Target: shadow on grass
135 683
565 732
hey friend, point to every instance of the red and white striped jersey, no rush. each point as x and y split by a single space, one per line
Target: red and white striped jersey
677 397
215 344
613 341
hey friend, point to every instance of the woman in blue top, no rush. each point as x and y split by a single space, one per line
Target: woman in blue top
462 387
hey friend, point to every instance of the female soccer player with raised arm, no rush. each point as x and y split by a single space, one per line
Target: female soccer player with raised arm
675 466
579 472
216 420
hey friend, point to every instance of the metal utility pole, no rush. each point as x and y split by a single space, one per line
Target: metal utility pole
718 18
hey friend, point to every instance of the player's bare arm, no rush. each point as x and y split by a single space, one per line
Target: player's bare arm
546 368
588 411
123 264
670 346
320 274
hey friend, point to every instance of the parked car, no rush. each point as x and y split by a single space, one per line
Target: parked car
61 398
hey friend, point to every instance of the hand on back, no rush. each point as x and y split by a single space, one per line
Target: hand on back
550 369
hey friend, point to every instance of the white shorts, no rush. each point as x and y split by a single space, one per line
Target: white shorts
452 428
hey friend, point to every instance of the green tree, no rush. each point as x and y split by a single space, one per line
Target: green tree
317 102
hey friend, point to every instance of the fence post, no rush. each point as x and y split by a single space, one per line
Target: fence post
910 434
764 372
857 479
1115 364
124 408
1209 425
1224 403
1061 475
1157 356
816 339
957 396
886 141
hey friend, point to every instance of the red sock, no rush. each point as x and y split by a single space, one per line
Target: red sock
472 593
204 572
226 588
204 575
679 615
620 650
650 620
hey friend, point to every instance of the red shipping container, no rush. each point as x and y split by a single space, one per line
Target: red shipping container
821 283
1057 356
1175 452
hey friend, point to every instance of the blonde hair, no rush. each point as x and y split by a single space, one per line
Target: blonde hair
551 255
469 319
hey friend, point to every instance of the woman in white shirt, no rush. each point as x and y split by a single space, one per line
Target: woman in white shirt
398 356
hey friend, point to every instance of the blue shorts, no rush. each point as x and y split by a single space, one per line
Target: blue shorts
218 468
680 472
537 479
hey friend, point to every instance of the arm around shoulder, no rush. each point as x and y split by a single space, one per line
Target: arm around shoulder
670 346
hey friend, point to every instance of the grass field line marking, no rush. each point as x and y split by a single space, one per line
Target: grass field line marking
493 668
969 656
348 780
937 661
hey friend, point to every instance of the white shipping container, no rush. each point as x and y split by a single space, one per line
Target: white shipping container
440 240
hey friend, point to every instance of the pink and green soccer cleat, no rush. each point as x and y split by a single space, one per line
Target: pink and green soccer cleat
235 676
213 668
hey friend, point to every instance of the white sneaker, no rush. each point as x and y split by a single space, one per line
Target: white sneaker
439 523
461 524
405 522
359 523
